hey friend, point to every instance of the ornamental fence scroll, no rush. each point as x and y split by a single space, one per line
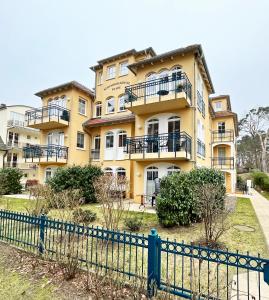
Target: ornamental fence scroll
183 270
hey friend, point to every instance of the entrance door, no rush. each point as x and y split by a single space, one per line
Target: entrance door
173 134
152 174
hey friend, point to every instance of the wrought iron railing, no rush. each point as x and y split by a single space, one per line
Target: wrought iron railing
47 113
47 152
223 163
168 85
222 136
15 123
167 142
200 104
200 147
185 270
95 154
14 164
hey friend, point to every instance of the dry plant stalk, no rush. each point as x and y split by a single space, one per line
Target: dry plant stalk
111 192
214 215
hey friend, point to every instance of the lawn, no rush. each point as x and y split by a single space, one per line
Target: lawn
265 194
233 239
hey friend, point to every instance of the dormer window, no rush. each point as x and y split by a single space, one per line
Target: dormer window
218 106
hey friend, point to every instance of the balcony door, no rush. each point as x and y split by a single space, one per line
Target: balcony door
151 87
153 132
152 174
221 155
56 138
173 134
54 106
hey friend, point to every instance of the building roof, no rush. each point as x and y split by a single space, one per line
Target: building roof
63 87
97 122
121 55
196 48
227 97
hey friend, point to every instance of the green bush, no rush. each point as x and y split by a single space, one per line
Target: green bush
258 178
133 223
265 184
84 216
177 200
240 183
76 177
10 181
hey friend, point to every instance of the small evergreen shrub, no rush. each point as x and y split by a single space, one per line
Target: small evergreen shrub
240 183
76 177
265 184
84 216
177 202
10 181
133 223
258 178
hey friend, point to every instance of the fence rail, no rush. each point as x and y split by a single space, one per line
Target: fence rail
177 268
222 136
47 152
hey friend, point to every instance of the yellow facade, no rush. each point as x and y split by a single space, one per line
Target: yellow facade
151 115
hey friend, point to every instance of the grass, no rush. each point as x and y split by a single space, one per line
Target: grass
265 194
15 286
233 239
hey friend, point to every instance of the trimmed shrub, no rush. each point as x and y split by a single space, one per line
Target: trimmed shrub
240 183
133 223
84 216
10 181
265 184
177 200
258 178
76 177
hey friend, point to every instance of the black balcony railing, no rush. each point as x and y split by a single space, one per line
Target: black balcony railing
168 142
95 154
224 163
47 113
222 136
200 147
46 152
168 85
201 104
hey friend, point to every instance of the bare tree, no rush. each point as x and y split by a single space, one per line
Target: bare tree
213 212
256 123
111 192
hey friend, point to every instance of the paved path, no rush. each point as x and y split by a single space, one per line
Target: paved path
261 207
19 196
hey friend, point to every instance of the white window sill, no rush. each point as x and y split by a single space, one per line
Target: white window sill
110 113
120 111
84 115
110 78
122 75
82 149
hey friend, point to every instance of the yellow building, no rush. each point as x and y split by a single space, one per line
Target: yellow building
152 115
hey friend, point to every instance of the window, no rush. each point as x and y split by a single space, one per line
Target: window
221 127
122 103
110 105
218 106
123 68
80 140
121 172
28 137
109 140
108 171
122 138
82 106
111 72
98 110
96 142
100 77
172 170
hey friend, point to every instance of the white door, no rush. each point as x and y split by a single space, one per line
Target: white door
121 143
151 175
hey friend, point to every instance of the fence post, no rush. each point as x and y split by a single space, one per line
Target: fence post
42 234
154 262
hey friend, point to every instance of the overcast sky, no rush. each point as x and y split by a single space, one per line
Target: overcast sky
48 42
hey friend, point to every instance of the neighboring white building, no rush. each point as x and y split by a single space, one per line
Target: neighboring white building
15 135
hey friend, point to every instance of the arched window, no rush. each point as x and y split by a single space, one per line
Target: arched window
110 140
151 85
122 136
152 173
108 171
176 76
98 109
153 127
110 105
173 169
121 172
121 104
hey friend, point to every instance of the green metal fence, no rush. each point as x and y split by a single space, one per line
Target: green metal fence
177 268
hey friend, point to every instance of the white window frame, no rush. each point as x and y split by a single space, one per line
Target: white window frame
121 107
99 77
107 105
124 68
79 133
218 106
111 72
82 111
110 134
121 134
98 105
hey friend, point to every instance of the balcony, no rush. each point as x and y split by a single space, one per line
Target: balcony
168 93
16 145
223 136
46 154
223 163
162 146
48 117
95 154
22 166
